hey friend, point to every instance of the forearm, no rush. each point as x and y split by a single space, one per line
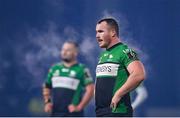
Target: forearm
87 96
46 94
132 82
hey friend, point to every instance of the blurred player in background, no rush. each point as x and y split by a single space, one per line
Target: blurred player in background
119 71
141 96
138 97
64 85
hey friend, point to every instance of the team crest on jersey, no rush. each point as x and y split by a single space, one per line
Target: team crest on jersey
106 54
72 73
110 56
56 73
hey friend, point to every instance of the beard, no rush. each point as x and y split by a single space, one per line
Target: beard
67 59
103 44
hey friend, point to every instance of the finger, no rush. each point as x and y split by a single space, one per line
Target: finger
115 105
112 105
70 110
48 110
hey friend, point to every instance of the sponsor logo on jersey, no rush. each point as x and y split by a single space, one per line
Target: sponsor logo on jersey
130 53
65 70
65 82
107 69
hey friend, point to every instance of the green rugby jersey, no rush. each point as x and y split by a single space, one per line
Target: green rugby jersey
67 84
111 74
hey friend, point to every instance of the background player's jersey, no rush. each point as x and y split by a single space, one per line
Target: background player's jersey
67 84
111 74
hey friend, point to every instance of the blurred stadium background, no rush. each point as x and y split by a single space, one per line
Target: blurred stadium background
32 32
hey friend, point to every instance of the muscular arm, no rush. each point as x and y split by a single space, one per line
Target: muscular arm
137 75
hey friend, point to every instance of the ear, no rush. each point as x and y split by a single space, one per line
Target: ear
76 53
113 33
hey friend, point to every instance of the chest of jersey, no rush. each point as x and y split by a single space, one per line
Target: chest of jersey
108 65
66 78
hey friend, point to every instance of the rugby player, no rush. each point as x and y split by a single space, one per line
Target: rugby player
119 71
65 83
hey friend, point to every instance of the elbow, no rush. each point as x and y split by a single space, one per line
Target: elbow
142 74
90 89
141 77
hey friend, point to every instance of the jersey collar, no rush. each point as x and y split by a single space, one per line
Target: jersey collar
117 44
71 65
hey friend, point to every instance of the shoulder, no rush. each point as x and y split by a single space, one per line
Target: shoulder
56 65
122 47
126 50
81 65
102 53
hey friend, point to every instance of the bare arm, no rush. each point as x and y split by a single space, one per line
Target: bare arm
87 96
137 75
85 100
47 99
46 94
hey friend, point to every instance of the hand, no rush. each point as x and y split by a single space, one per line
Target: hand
73 108
115 100
48 107
79 108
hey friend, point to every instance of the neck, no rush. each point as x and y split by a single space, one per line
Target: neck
69 64
114 42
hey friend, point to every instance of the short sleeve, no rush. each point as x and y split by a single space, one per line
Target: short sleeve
128 56
87 77
48 82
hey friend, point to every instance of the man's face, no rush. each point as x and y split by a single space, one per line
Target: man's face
68 52
103 34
